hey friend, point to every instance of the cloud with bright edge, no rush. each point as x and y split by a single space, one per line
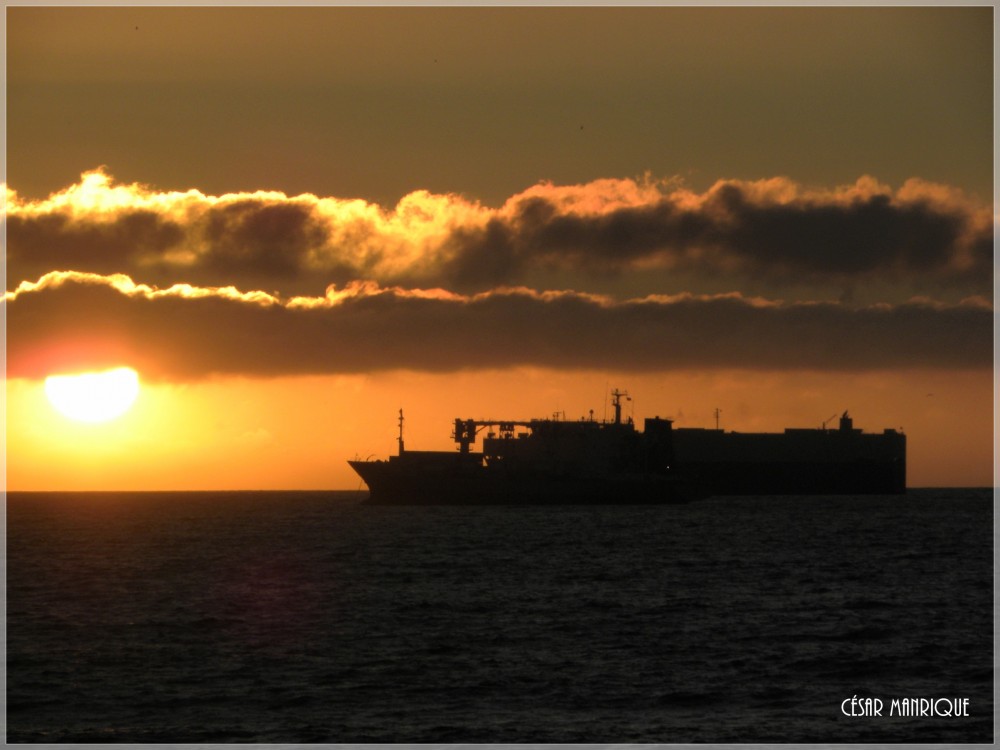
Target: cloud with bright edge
773 229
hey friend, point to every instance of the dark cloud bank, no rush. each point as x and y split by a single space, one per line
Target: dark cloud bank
74 321
731 232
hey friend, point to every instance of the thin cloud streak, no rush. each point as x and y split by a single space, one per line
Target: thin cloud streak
775 230
72 321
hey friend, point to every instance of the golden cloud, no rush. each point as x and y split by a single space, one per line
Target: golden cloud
774 229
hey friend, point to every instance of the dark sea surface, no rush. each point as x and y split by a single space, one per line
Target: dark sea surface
290 617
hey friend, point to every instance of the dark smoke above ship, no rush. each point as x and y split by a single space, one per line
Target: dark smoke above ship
553 461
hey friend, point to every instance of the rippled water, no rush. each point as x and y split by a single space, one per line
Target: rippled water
309 617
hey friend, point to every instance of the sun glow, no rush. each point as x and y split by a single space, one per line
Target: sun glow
93 396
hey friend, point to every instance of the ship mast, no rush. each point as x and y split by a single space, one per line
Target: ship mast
616 395
400 438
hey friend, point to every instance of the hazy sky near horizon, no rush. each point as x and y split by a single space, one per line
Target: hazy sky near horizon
428 207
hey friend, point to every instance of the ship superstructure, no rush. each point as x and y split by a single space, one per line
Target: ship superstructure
820 461
539 461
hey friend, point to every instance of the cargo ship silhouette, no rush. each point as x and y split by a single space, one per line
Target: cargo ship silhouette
553 461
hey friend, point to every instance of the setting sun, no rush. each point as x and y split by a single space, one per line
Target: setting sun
93 396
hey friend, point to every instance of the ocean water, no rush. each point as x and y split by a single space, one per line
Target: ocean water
311 617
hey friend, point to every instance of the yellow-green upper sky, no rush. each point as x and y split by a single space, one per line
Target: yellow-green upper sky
293 221
377 102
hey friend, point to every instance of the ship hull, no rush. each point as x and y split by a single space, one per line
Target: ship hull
460 484
787 478
414 484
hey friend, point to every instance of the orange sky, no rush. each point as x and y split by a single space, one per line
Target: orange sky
298 432
293 229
